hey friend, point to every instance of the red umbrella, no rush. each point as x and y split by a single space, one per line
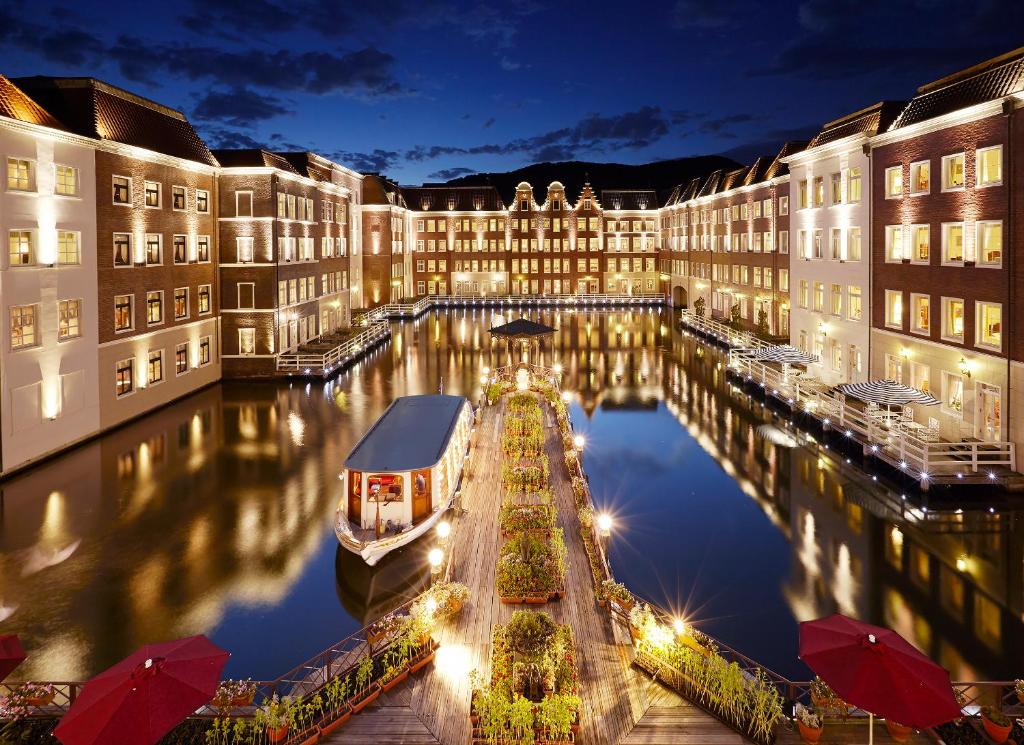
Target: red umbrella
11 654
143 697
877 670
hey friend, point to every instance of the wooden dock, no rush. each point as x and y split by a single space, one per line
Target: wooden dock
620 704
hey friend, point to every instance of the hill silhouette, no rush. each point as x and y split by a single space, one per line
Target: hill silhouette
661 175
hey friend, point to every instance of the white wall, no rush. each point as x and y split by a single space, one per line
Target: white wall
840 330
47 392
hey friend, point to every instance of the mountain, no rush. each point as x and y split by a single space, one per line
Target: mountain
662 176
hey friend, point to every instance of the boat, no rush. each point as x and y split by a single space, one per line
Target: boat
403 474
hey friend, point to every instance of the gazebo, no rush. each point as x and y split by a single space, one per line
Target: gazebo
524 332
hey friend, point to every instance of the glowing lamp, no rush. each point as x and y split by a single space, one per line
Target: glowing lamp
435 557
679 626
444 529
578 441
604 523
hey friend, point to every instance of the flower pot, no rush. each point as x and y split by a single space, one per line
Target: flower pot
312 738
997 732
602 603
810 735
511 599
535 599
326 729
426 659
277 734
400 678
455 607
42 699
361 700
244 699
898 732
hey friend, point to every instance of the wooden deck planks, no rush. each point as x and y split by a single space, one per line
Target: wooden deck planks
619 703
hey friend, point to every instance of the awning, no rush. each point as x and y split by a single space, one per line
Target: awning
784 354
887 393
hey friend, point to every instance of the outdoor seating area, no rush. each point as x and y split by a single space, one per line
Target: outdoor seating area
328 353
883 416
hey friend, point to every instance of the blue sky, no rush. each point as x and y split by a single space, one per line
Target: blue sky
428 89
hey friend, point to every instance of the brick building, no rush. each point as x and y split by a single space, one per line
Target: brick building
285 236
156 252
944 277
385 240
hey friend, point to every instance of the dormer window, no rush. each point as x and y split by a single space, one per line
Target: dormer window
478 202
556 204
524 204
586 204
425 204
451 202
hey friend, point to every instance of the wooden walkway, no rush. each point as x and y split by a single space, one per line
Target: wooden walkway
619 703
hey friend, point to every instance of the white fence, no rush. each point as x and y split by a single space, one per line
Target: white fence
324 363
411 310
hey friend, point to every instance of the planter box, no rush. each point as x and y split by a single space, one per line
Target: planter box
421 661
511 600
309 737
362 700
326 729
400 678
277 734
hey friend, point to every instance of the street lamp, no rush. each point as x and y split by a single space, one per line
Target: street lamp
444 529
604 524
566 396
679 626
436 558
579 442
557 367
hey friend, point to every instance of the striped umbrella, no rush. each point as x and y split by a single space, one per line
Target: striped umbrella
887 393
784 354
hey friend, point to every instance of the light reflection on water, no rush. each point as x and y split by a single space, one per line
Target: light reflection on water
214 515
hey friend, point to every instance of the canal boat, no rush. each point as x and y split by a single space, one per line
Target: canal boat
402 476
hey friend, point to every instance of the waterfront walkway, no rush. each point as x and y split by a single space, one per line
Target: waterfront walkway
620 704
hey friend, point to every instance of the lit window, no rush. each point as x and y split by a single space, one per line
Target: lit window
20 249
837 300
819 296
124 377
180 249
952 393
920 313
803 201
205 351
990 166
804 293
920 177
853 250
154 248
122 249
247 340
68 247
953 172
894 309
152 193
244 246
819 191
894 182
180 303
952 243
155 369
66 183
202 201
853 185
68 319
203 249
990 242
124 316
920 236
784 205
21 174
23 326
894 243
952 319
854 309
154 307
990 325
177 197
122 190
181 358
204 299
836 182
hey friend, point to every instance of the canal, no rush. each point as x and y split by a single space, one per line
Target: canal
214 515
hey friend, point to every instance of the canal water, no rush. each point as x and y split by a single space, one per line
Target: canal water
214 515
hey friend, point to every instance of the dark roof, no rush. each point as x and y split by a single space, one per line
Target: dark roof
870 121
522 327
379 189
731 180
778 168
757 170
674 196
458 198
413 432
252 159
691 190
989 81
14 104
629 199
710 185
96 109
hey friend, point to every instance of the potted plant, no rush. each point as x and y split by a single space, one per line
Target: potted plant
898 732
809 724
366 690
234 693
302 719
338 711
997 725
36 694
555 717
452 596
396 663
275 717
618 594
1018 687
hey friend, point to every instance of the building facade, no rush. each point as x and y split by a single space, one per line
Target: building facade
285 239
830 195
943 304
385 239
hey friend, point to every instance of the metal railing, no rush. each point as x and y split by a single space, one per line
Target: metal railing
323 363
428 302
723 332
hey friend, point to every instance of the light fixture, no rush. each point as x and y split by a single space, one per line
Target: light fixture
604 523
444 529
435 557
578 442
961 563
965 367
679 626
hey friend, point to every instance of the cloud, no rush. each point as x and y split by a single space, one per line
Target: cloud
376 161
363 73
771 143
489 123
219 138
447 174
239 107
833 41
722 125
509 64
699 14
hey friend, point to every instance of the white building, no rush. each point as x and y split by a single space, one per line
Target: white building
48 361
830 232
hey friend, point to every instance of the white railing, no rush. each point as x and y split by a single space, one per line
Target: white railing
920 456
735 339
323 363
411 310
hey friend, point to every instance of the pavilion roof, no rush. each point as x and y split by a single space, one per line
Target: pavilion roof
522 327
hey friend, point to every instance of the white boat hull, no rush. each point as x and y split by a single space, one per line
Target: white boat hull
373 551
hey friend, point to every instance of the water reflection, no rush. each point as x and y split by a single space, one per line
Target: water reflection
213 515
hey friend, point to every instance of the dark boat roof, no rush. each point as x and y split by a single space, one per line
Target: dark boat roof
412 433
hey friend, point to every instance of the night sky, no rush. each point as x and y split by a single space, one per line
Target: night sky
432 89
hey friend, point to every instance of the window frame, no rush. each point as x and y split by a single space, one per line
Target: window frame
977 167
188 304
159 195
978 305
78 181
892 295
945 261
946 317
917 164
978 261
113 190
131 313
914 327
163 314
887 186
159 354
36 341
33 176
120 365
184 197
945 160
